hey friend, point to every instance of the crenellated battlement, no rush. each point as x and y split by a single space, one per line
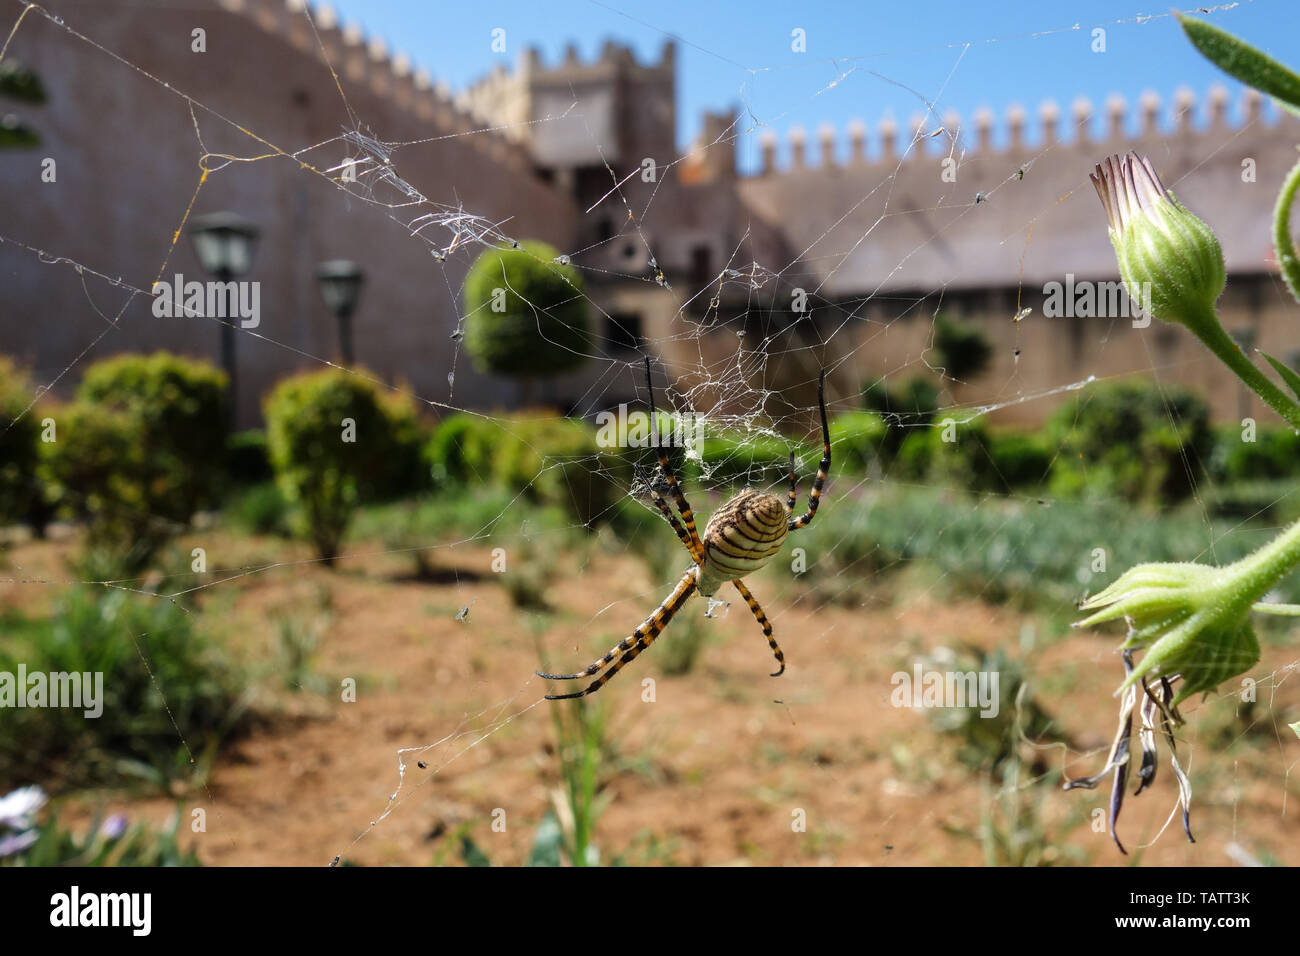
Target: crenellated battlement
928 139
367 62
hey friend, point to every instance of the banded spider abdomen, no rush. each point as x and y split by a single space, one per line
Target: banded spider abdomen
742 536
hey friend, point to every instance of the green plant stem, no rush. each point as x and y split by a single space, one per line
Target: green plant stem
1254 575
1286 255
1285 610
1210 331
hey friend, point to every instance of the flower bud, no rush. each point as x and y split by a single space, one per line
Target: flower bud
1170 261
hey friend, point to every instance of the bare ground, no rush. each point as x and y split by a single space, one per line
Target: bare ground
716 769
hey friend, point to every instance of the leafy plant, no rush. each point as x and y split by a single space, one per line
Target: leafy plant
1132 439
334 443
527 316
166 695
110 841
134 453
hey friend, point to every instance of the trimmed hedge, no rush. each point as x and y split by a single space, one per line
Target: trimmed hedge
543 326
140 450
336 441
552 461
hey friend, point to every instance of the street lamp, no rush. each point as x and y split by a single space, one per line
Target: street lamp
223 243
340 286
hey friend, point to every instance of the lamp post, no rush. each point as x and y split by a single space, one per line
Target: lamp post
340 286
223 243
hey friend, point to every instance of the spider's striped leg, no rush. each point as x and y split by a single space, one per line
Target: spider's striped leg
633 645
667 512
679 497
814 496
763 622
794 488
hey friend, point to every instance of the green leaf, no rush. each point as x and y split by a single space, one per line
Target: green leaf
1288 374
1238 58
1295 727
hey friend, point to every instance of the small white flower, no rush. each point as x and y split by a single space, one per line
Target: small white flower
19 806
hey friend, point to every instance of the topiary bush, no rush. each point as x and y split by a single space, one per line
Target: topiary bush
333 440
179 406
527 316
1133 439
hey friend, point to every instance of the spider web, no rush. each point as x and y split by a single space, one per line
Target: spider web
734 355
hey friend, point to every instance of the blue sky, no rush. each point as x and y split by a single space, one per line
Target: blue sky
961 55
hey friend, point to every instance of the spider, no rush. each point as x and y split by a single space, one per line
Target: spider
742 536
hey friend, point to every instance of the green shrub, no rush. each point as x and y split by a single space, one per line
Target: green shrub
543 326
179 407
1275 453
260 509
857 440
1021 458
966 461
140 450
758 461
915 454
914 402
964 351
459 452
249 460
100 475
183 687
1132 439
903 408
20 441
333 442
551 460
406 473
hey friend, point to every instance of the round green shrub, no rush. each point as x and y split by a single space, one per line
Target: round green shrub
538 325
332 441
177 408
